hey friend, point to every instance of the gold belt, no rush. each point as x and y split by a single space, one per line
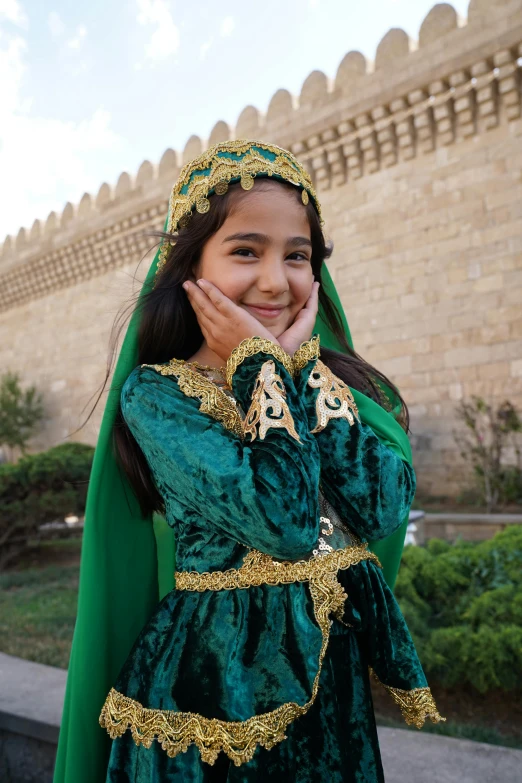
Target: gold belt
261 569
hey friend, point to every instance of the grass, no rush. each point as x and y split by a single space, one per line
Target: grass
37 613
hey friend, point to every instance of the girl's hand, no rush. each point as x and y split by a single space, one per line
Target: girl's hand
303 325
223 323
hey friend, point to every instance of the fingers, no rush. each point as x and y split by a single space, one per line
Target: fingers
209 298
312 302
217 297
199 300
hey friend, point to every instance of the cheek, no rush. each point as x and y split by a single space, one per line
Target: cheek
301 287
232 281
214 268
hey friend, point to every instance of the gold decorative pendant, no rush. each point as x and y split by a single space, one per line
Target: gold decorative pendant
269 395
334 400
202 205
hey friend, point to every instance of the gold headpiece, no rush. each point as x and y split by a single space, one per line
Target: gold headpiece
231 161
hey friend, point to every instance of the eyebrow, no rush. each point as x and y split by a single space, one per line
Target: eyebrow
263 239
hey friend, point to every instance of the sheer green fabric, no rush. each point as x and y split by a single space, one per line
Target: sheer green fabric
123 572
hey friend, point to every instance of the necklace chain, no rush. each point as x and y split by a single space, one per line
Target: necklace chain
220 370
206 369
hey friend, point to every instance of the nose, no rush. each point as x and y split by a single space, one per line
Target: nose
273 275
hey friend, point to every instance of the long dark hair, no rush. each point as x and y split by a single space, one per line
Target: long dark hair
169 328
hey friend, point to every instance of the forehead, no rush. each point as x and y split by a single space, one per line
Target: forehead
271 202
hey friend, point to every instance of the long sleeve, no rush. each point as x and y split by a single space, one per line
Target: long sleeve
370 486
259 487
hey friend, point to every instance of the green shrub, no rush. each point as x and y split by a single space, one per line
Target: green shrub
463 603
20 413
41 488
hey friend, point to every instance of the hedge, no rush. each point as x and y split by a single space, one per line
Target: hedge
41 488
463 604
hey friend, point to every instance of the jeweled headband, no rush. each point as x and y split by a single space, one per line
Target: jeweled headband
226 163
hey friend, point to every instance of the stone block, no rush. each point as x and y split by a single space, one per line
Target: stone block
516 368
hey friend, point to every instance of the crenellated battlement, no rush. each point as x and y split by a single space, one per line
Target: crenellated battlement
461 78
417 159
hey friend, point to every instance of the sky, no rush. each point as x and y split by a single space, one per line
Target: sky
88 90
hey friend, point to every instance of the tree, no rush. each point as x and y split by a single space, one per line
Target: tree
489 432
20 412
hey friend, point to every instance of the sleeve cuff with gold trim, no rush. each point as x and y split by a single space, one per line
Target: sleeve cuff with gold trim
309 351
252 346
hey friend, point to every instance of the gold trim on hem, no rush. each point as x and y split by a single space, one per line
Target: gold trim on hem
176 731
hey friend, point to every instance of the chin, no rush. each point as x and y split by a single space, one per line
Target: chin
277 331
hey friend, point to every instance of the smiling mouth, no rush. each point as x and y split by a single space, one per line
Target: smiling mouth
267 312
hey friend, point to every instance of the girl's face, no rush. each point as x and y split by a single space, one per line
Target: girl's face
261 256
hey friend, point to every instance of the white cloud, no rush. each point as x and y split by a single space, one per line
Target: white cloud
77 40
204 48
227 26
12 11
164 39
55 23
12 69
38 177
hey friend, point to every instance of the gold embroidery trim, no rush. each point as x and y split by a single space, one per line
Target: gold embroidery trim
335 400
214 401
268 395
252 345
213 172
176 731
260 569
239 739
306 351
416 705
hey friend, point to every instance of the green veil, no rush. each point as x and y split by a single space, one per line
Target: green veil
127 561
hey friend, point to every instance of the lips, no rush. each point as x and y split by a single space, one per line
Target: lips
268 311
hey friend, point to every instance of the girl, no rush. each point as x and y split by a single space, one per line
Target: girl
276 456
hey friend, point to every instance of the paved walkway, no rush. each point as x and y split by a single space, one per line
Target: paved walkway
31 697
419 757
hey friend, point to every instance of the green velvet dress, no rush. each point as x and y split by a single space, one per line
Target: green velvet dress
259 662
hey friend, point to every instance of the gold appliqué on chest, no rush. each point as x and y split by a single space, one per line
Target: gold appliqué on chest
269 407
334 401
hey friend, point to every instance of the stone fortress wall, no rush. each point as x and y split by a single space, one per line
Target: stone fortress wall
417 158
